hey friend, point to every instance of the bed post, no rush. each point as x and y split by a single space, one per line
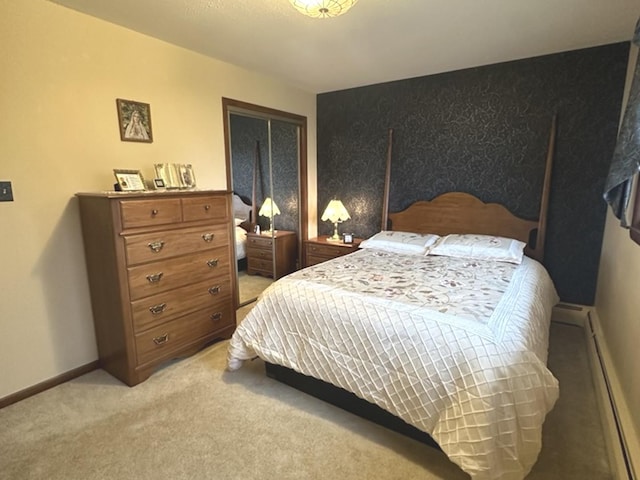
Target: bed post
546 187
256 166
387 179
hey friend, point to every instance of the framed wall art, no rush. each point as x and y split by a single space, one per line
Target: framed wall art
129 180
134 120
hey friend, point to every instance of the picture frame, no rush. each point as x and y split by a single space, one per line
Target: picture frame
134 121
187 177
129 180
168 172
159 184
347 237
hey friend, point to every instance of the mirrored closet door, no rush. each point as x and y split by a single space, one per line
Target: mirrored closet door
266 170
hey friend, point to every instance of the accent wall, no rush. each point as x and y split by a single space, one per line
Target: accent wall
485 131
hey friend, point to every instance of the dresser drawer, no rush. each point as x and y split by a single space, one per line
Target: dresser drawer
204 208
155 246
156 309
152 278
260 253
148 212
164 340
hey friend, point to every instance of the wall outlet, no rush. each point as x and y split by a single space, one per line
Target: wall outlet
6 193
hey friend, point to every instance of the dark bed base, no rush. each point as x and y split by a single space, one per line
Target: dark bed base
242 264
347 401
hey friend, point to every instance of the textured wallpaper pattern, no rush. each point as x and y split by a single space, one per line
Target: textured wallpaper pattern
485 131
245 132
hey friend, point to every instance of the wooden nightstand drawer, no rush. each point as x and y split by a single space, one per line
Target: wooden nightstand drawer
145 213
318 250
259 241
204 208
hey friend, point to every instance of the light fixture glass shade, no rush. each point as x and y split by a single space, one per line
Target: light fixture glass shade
269 209
323 8
335 213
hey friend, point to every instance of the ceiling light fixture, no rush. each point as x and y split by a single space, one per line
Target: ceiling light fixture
323 8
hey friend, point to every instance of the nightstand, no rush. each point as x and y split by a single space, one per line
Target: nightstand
263 249
319 249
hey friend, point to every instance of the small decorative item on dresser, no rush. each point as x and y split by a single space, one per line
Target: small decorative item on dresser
187 178
129 180
158 184
347 237
169 174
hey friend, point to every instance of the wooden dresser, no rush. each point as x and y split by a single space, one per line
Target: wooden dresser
262 249
160 274
319 249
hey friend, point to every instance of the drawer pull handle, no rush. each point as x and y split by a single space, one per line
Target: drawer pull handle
212 263
160 339
158 309
154 212
214 290
207 237
156 246
154 277
207 207
216 317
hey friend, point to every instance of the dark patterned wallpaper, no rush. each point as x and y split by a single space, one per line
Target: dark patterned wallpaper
245 132
485 131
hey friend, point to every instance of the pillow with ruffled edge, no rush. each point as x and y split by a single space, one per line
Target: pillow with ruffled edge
480 247
401 242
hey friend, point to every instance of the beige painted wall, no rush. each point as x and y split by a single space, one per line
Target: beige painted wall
618 307
60 73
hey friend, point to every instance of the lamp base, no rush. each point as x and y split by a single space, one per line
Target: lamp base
335 237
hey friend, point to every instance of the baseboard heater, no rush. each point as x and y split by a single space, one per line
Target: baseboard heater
619 450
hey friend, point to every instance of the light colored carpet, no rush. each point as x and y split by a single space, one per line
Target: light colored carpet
250 286
193 420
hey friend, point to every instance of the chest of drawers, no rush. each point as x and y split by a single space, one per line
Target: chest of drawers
266 253
319 249
160 275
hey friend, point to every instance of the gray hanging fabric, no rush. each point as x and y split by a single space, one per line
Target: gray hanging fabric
626 157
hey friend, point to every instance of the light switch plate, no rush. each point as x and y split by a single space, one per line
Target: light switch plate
6 193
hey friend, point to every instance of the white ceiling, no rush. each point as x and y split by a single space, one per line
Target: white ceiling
377 40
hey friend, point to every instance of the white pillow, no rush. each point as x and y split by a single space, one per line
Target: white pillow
401 242
480 247
238 221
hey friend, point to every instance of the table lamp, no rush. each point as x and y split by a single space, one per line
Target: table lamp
269 209
335 213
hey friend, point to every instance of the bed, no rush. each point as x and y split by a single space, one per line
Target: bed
441 324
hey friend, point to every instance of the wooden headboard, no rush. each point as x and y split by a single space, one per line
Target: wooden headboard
459 212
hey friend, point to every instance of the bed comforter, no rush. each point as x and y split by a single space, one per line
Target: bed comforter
455 347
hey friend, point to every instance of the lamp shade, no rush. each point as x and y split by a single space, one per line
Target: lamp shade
323 8
269 208
335 212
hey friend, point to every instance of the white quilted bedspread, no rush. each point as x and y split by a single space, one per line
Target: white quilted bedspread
455 347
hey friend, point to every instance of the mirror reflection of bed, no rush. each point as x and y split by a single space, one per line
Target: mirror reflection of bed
249 286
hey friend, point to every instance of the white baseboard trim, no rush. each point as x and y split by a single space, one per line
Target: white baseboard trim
620 437
570 313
